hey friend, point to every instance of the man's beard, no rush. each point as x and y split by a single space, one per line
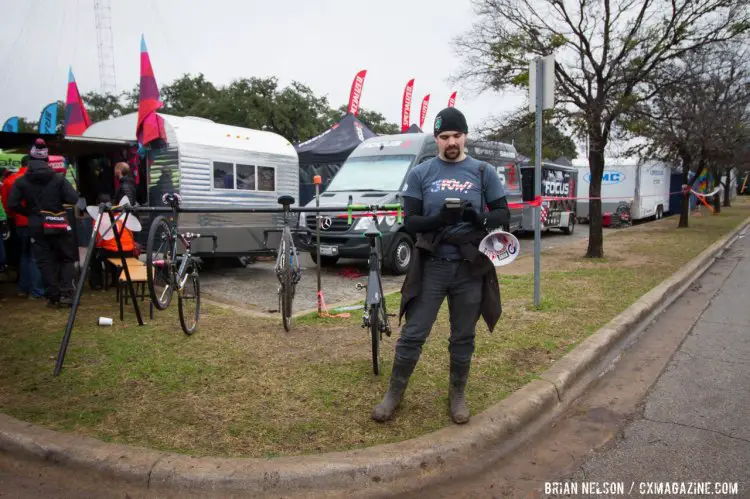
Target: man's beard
452 153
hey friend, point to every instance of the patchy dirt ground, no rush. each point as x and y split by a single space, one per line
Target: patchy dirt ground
254 287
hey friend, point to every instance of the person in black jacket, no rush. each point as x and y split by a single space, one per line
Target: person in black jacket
447 262
44 190
127 183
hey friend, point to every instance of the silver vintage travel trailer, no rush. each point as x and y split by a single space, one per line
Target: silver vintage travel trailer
215 166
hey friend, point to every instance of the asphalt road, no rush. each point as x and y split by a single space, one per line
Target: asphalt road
672 410
254 287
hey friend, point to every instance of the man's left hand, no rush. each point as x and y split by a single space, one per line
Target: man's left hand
470 215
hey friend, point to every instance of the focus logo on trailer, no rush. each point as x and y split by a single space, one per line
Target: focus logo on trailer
556 189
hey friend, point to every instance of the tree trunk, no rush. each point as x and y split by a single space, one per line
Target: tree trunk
596 163
727 200
685 208
716 197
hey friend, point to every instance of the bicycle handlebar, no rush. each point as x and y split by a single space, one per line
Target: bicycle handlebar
373 209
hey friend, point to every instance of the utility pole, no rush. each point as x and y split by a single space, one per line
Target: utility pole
105 46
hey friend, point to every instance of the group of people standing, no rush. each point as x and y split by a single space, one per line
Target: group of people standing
46 262
33 220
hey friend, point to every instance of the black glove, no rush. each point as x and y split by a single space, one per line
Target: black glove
470 215
450 216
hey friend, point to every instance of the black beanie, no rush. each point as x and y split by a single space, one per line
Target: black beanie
450 119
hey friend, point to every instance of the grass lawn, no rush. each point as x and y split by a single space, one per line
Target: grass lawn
241 386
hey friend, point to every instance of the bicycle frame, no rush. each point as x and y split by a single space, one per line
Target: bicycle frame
179 275
286 239
374 284
374 293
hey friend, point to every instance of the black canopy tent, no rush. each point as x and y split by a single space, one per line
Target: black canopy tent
414 128
323 155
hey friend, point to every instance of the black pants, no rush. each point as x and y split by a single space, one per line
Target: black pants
55 256
441 279
96 275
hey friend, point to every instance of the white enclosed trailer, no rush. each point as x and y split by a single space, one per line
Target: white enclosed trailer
212 165
644 185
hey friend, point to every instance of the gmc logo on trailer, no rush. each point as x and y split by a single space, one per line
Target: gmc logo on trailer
608 178
556 189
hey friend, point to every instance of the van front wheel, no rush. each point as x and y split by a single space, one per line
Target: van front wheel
399 256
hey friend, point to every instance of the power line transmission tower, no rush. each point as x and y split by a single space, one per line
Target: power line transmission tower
105 46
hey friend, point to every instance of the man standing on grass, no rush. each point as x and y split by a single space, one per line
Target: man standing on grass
447 262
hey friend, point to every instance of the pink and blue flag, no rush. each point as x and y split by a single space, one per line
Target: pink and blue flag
76 118
150 125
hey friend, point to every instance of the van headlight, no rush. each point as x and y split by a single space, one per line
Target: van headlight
363 224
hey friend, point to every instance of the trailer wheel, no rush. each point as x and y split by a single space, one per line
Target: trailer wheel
571 226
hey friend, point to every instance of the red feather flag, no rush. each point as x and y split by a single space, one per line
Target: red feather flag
406 106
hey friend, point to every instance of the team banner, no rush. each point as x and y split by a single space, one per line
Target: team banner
452 100
11 125
406 106
48 119
356 93
423 112
150 125
76 118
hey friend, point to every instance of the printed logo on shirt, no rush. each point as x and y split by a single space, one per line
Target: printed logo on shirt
451 185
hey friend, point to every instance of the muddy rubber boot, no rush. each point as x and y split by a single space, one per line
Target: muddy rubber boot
399 379
458 378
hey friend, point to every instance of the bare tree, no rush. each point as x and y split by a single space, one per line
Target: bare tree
696 115
605 50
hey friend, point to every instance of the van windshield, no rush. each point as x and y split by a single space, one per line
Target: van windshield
371 173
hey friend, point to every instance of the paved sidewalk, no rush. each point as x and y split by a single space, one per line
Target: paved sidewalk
695 424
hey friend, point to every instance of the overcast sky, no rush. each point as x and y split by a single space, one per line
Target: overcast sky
322 43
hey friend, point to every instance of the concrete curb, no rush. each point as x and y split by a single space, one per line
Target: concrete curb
375 471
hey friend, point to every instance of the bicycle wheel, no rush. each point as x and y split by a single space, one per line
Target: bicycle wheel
159 257
287 297
189 304
375 320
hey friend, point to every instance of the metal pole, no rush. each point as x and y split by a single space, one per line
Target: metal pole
125 264
317 236
77 297
538 183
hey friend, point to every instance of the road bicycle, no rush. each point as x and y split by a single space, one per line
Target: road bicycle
375 314
287 269
167 272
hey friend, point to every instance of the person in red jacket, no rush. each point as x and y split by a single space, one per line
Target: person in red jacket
30 282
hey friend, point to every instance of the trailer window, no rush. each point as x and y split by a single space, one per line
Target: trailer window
246 177
266 178
223 175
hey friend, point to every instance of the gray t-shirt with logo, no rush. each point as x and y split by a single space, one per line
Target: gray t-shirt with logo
435 180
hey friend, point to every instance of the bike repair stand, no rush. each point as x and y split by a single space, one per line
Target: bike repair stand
82 280
317 180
